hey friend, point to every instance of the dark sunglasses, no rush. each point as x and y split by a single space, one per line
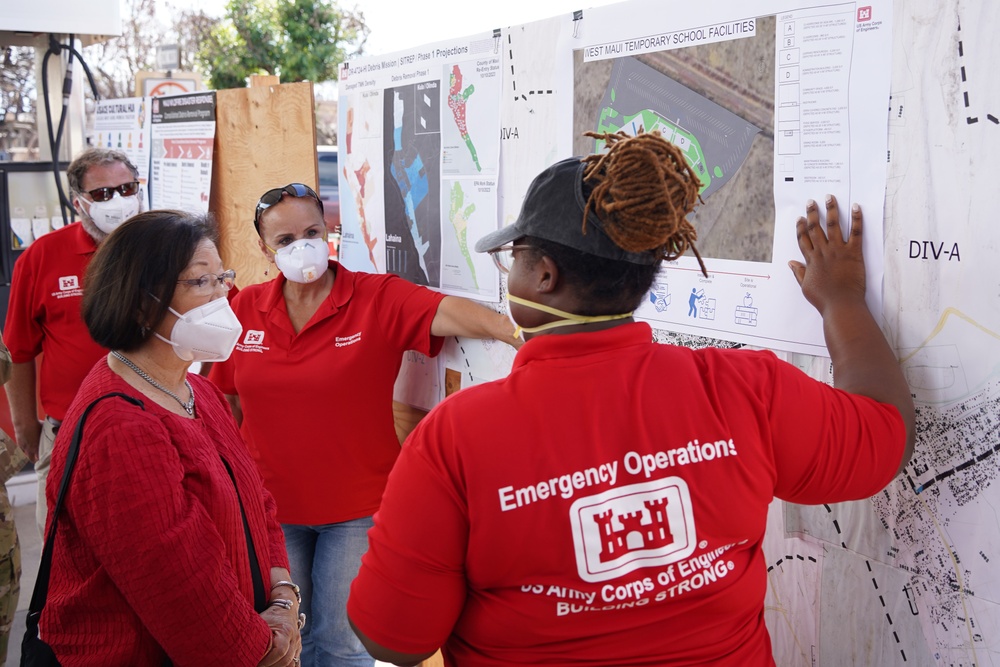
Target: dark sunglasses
272 197
105 194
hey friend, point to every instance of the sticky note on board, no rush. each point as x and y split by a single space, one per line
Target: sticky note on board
40 225
20 229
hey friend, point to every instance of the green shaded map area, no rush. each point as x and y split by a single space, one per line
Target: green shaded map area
459 215
457 98
649 121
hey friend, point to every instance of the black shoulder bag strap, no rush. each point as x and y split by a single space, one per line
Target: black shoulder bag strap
33 650
259 594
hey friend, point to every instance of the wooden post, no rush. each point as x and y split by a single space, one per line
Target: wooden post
405 417
436 660
265 137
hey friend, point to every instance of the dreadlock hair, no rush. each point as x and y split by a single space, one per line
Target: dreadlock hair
642 189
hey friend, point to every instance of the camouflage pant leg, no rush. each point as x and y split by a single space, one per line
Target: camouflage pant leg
10 576
45 442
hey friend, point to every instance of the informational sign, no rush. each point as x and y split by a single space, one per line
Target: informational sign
168 57
913 568
158 84
183 138
772 104
775 102
162 87
124 125
420 155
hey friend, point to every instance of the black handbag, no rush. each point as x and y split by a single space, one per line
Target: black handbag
34 651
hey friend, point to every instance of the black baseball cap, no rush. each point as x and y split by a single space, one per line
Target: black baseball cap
553 210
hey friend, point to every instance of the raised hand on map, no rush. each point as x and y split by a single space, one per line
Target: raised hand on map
833 281
834 269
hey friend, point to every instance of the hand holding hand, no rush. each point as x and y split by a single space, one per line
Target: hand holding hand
286 642
834 269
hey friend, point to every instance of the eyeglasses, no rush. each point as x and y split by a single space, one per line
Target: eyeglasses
272 197
105 194
208 282
503 256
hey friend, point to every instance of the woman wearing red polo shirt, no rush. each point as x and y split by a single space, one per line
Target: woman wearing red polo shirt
605 504
312 379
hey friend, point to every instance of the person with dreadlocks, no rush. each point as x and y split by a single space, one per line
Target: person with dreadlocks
606 503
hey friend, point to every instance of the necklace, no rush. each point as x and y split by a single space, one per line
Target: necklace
188 406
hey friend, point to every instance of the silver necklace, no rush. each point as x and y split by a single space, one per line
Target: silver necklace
188 406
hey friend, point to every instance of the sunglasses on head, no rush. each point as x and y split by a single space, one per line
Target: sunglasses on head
105 194
273 196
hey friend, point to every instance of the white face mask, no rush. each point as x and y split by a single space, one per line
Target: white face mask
108 215
303 261
206 333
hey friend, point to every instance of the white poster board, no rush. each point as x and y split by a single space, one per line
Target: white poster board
183 139
420 155
124 125
907 577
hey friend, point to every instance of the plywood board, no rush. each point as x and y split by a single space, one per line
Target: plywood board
405 418
265 137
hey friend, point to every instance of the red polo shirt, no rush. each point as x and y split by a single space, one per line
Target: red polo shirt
317 405
43 314
606 503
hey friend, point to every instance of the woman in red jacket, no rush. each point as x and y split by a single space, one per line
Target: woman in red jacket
165 510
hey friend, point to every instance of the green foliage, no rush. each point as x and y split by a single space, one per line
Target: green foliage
297 40
222 55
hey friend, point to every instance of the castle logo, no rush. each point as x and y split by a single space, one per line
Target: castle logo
253 337
631 527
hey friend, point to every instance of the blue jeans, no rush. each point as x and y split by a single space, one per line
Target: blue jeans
324 560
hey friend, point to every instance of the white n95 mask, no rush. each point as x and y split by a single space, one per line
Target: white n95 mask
109 215
206 333
303 261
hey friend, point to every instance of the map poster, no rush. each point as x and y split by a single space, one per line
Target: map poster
362 195
536 105
907 577
772 104
420 158
124 125
183 137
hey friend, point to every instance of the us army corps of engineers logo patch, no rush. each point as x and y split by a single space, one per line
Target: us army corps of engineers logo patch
630 527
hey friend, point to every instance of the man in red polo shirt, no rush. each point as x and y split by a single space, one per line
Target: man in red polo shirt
43 315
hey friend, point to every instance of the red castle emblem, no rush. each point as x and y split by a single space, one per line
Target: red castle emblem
641 530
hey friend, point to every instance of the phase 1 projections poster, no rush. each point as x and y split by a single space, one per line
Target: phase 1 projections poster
420 159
